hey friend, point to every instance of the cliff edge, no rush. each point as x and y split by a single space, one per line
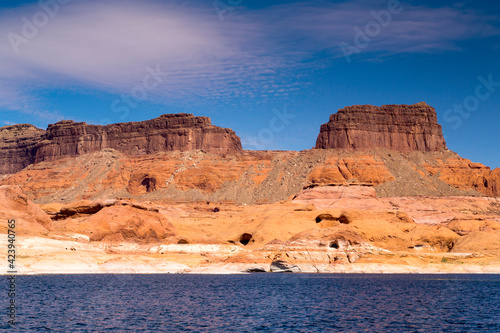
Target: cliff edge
403 128
22 145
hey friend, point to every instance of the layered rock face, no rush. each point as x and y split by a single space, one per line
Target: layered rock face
252 177
66 138
166 133
403 128
327 229
17 145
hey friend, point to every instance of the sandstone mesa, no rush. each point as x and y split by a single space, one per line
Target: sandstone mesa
403 128
379 193
22 145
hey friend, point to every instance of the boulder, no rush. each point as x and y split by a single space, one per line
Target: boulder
282 266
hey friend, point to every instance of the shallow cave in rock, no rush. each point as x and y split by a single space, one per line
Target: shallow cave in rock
149 183
245 239
323 217
182 241
328 217
334 244
343 219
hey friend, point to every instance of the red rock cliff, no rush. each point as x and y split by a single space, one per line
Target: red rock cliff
402 128
17 144
23 146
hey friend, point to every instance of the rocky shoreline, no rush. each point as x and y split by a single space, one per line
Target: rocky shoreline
83 262
381 193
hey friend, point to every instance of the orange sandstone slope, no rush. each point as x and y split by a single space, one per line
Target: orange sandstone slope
138 204
251 177
29 218
351 230
381 209
398 149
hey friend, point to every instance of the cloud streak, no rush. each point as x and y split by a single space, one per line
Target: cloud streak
108 45
22 101
416 29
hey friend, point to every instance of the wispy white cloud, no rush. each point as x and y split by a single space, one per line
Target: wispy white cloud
308 28
108 45
6 122
20 99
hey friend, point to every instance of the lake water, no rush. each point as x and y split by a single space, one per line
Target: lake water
258 303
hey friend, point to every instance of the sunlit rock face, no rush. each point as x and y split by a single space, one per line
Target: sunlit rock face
403 128
17 144
21 145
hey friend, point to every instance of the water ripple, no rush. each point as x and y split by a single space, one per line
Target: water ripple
258 303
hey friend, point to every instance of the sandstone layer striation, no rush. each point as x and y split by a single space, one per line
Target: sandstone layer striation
251 177
324 229
403 128
178 195
17 146
22 145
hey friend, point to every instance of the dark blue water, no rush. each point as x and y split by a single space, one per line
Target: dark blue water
260 302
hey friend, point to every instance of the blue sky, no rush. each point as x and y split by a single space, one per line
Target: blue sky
273 71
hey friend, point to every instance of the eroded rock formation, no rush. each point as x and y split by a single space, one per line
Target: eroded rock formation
17 145
351 233
402 128
29 218
21 145
253 177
